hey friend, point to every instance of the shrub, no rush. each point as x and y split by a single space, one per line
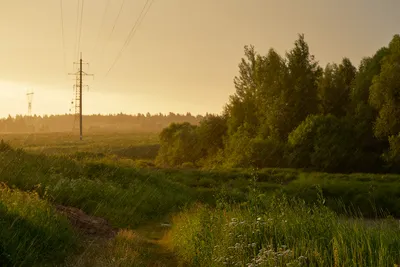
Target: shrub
392 157
237 149
211 133
178 144
266 153
322 142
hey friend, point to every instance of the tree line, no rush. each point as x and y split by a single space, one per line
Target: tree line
95 123
288 111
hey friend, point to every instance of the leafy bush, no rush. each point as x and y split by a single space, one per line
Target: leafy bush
237 149
322 142
392 157
178 144
266 153
211 133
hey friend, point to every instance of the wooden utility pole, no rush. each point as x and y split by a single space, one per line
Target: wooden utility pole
79 94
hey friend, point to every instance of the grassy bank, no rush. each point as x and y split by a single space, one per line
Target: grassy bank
31 233
281 232
372 195
124 196
232 225
128 192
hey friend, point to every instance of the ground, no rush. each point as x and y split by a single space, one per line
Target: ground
121 207
102 242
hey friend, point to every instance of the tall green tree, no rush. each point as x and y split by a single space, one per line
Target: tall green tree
334 88
302 84
242 106
368 69
385 93
271 97
363 115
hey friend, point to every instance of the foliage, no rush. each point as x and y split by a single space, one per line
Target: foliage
178 144
266 153
392 157
281 232
267 99
101 187
237 149
339 119
30 226
211 133
323 142
385 92
335 87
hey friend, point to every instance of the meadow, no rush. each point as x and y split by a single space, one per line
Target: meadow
127 145
218 217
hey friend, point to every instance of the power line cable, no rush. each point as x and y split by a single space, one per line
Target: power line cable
132 32
116 20
113 27
101 26
63 37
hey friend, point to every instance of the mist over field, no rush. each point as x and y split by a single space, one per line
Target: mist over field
213 133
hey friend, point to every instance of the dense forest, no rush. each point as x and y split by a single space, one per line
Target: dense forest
288 111
95 123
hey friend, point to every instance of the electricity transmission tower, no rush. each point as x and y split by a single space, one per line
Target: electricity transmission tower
30 99
79 93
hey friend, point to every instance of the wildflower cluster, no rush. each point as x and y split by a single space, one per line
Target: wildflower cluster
246 246
281 257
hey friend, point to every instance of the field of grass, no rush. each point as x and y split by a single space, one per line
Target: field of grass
281 232
124 196
219 217
134 146
31 233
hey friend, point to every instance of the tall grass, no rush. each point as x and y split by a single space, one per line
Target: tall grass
281 232
31 233
123 195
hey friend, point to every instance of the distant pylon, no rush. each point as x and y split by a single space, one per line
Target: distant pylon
30 99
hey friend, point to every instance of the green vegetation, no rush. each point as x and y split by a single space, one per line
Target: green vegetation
127 145
280 232
123 195
289 112
279 179
130 193
31 233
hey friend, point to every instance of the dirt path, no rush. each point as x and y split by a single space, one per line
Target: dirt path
105 246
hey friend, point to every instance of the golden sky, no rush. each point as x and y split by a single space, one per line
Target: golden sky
183 57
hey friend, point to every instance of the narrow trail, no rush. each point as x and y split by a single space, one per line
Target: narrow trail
105 246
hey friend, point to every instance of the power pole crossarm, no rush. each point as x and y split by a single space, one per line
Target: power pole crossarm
79 94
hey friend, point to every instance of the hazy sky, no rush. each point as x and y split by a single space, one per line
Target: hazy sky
183 57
